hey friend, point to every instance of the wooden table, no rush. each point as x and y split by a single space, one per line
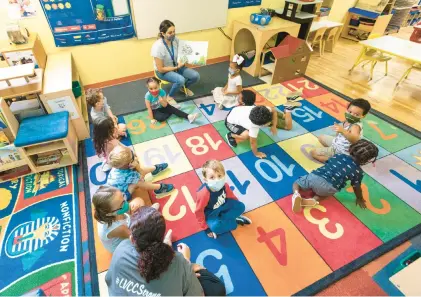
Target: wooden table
401 48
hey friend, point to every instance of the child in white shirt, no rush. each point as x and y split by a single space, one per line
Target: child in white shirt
228 95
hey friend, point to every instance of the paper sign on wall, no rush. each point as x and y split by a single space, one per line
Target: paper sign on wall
63 104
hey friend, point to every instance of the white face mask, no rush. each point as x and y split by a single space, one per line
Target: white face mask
216 184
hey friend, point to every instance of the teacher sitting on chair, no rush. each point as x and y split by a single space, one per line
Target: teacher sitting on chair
165 52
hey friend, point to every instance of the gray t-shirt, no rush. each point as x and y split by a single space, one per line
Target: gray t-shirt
160 51
123 277
103 112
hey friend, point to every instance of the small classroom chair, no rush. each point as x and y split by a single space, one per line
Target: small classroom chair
318 39
164 82
416 66
372 56
330 39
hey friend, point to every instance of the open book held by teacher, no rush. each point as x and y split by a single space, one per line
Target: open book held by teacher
193 52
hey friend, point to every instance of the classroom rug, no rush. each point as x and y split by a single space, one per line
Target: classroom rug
132 94
40 239
281 253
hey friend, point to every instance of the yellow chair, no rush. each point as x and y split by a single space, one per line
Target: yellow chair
318 39
372 56
330 39
415 66
164 82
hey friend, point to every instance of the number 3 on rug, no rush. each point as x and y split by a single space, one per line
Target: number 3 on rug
323 222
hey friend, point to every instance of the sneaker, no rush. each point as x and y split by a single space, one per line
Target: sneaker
290 106
192 117
186 91
172 102
155 205
243 220
168 238
164 189
231 140
159 168
106 167
293 96
296 202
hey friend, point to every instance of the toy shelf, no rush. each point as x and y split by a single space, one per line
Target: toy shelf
380 23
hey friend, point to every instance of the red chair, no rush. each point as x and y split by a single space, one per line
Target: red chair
416 35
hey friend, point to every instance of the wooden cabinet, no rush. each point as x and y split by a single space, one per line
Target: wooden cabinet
31 52
57 95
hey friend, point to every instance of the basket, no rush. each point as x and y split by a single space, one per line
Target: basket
76 89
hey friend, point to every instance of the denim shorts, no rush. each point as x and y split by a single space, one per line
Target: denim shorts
318 184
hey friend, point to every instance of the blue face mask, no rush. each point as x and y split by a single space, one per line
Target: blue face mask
171 38
216 184
231 71
125 208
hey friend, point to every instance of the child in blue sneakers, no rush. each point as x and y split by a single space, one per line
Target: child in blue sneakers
217 209
127 174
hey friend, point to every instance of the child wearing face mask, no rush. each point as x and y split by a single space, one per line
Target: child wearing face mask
160 106
217 209
100 108
228 95
347 133
112 212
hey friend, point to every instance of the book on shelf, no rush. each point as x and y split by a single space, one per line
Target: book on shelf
48 158
2 121
9 154
14 172
4 141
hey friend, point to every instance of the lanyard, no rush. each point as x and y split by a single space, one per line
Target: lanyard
171 52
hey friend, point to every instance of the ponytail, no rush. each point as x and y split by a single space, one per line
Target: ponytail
148 229
154 260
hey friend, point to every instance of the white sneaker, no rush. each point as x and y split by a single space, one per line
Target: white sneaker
174 103
168 237
155 205
192 117
296 202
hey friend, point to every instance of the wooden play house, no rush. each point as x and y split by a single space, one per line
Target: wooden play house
290 60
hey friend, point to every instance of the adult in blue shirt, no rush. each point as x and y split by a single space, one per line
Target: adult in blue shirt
165 54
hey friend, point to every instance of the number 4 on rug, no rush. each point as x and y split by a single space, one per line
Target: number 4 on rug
281 254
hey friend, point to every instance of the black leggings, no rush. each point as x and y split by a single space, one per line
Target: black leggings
211 284
163 113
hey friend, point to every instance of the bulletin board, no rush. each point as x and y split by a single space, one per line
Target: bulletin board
243 3
88 21
187 15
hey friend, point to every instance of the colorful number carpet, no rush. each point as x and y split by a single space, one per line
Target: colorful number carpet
281 253
40 235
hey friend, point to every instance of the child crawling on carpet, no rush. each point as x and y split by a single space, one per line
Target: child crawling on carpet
217 209
332 177
284 119
112 212
347 133
160 106
127 174
228 95
100 107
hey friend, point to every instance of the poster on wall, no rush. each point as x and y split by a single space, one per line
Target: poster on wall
243 3
76 22
18 9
